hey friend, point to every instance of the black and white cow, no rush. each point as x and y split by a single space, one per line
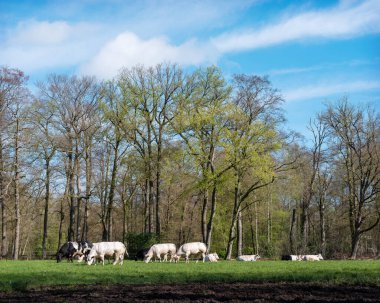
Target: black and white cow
71 249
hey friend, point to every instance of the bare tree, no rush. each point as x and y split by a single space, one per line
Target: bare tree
71 98
354 134
11 81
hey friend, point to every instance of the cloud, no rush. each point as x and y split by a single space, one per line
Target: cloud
324 90
339 22
35 45
128 50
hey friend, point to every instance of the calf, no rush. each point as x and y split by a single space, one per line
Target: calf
157 250
247 258
102 249
193 248
212 257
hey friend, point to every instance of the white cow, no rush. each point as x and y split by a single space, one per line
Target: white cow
102 249
193 248
312 257
248 258
157 250
212 257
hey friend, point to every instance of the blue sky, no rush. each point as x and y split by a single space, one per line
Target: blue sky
312 51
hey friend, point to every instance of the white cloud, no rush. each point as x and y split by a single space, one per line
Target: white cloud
128 50
325 90
340 22
35 45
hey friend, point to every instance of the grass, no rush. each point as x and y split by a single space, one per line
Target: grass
23 275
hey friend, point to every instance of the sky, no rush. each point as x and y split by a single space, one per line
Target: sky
313 52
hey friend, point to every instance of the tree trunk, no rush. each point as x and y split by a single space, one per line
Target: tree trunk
4 240
257 228
112 192
210 223
17 193
269 218
239 234
61 218
204 215
70 234
46 211
304 225
88 155
292 232
322 225
158 189
78 192
231 235
355 239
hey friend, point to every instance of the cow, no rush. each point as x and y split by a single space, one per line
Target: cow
140 255
247 258
71 249
312 257
157 250
102 249
192 248
291 257
212 257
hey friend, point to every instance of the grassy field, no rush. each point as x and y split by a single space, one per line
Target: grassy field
23 275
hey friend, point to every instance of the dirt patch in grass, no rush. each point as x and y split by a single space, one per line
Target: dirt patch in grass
196 292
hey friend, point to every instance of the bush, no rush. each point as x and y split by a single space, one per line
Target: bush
138 241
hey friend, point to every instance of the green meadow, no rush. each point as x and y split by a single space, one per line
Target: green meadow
23 275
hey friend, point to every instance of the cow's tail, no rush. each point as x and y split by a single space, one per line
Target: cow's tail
126 251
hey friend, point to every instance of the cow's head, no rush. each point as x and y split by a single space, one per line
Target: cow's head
176 258
91 257
320 257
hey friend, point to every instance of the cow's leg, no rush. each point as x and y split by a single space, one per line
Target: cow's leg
102 259
121 259
187 258
116 258
203 256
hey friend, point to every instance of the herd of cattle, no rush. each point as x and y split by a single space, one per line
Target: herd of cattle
93 252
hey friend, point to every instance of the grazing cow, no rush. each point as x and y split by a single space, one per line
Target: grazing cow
312 257
140 255
247 258
193 248
212 257
157 250
71 249
102 249
291 257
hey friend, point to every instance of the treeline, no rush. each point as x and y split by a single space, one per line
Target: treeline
170 156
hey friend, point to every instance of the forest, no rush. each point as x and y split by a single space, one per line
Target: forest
160 154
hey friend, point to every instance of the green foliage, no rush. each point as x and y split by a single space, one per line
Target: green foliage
23 275
139 241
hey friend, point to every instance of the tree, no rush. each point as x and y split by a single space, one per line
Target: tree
200 120
44 143
71 99
251 140
354 135
114 115
149 97
12 93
